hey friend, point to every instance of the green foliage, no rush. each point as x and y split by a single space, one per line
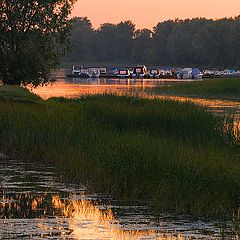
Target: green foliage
82 35
33 38
177 156
193 42
108 43
12 93
200 42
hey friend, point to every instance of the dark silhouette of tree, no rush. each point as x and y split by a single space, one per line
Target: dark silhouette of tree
196 42
33 38
124 40
106 42
142 46
82 39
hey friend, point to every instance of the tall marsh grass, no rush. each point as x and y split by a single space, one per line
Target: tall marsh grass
175 155
223 88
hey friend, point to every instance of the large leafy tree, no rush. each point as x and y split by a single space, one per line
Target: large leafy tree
142 45
124 40
106 42
33 38
82 39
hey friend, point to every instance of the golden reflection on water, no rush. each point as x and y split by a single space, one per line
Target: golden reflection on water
80 87
100 223
91 87
217 104
77 88
21 204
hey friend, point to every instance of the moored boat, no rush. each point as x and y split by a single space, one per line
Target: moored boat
94 72
103 72
154 73
79 72
124 73
139 71
189 73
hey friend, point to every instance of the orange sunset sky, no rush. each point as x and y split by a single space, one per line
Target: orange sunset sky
147 13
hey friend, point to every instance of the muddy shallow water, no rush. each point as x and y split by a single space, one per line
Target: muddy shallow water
36 204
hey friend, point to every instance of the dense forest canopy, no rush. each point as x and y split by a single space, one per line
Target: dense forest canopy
193 42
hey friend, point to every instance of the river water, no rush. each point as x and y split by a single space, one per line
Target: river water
36 204
75 87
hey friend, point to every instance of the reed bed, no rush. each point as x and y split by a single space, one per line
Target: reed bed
228 88
177 156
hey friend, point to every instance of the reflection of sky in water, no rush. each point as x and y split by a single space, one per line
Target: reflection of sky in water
35 204
217 105
73 88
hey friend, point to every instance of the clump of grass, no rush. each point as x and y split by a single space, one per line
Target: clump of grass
13 93
217 88
178 156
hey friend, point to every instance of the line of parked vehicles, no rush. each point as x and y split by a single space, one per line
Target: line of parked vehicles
142 71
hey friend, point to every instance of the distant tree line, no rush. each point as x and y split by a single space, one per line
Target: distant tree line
193 42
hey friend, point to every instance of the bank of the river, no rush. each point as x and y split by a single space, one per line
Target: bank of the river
222 88
178 156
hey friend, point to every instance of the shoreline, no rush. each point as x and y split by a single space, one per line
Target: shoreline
162 152
221 98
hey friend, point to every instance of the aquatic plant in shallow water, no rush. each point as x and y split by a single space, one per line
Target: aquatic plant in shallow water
176 155
228 88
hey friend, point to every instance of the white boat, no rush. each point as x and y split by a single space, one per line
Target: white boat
154 73
76 69
190 73
123 72
230 72
80 71
139 71
94 72
103 72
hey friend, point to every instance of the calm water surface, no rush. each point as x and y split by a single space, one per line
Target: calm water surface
36 204
74 87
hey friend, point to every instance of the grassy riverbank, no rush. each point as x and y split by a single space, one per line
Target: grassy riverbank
228 88
176 155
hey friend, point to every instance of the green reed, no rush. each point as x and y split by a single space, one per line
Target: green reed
219 88
177 156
